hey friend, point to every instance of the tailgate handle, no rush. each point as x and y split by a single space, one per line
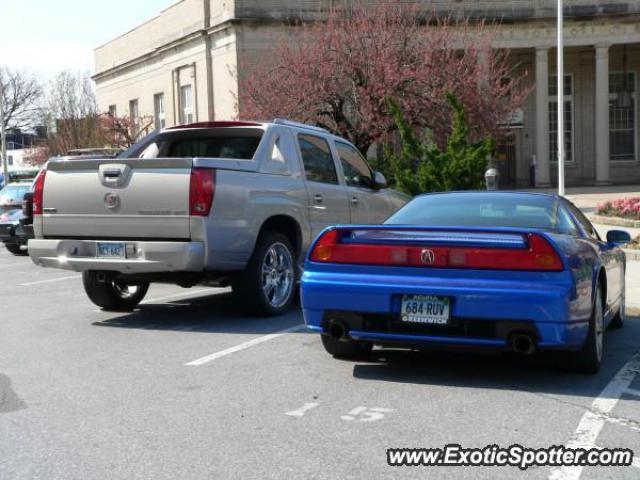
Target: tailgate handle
114 175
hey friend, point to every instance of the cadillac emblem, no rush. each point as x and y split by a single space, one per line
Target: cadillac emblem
112 200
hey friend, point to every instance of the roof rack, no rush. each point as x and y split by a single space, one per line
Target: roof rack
291 123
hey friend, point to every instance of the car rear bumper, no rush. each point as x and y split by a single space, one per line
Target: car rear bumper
484 312
142 256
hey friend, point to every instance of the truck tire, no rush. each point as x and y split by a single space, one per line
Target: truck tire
14 248
111 294
267 285
348 349
589 357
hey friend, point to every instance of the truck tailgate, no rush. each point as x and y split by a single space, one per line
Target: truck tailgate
117 198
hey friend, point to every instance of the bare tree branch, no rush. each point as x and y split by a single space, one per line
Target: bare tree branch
21 96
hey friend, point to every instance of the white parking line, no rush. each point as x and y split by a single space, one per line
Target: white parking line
50 280
243 346
594 419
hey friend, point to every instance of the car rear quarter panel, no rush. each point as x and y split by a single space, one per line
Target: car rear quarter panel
243 202
584 265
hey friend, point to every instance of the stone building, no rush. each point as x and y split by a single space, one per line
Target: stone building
179 67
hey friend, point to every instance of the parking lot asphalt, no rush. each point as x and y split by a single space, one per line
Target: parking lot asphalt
188 387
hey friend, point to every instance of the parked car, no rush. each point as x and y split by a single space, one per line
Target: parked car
16 225
19 176
218 203
11 195
506 271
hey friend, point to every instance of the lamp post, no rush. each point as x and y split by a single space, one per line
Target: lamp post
560 95
3 146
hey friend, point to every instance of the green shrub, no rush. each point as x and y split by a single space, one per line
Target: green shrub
423 167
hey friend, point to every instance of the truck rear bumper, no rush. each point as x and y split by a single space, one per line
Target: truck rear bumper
142 256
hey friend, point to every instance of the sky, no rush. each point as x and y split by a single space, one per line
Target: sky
47 36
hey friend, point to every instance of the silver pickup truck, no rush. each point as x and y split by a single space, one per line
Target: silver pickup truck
216 203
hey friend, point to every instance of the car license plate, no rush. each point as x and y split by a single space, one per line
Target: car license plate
425 309
110 250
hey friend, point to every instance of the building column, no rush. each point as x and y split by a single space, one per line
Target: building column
543 178
602 115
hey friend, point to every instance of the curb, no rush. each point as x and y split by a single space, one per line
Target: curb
632 311
617 221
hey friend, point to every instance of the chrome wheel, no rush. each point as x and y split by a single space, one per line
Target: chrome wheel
125 291
277 275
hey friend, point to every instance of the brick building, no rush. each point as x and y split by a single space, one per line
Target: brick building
179 67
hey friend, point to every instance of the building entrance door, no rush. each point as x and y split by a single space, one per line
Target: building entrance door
506 162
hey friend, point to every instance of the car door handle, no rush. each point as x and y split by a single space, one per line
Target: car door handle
318 198
354 200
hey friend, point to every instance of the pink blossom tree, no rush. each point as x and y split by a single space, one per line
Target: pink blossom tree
337 73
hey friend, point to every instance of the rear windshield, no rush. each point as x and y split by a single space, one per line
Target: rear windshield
221 147
232 143
479 210
13 194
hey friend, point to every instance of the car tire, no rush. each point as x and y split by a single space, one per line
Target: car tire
618 320
111 294
15 249
348 349
267 286
589 357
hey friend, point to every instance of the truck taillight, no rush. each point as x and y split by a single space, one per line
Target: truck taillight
38 192
201 191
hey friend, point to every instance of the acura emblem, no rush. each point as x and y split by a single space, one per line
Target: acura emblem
427 256
112 200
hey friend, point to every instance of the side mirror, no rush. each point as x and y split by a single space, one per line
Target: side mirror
618 237
379 180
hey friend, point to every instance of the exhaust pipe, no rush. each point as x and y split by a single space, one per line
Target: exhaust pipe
338 330
522 343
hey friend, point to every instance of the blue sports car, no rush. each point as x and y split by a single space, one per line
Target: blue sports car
498 270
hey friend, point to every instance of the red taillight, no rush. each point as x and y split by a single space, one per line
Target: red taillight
539 255
38 192
201 191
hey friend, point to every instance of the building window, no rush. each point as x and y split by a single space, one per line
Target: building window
158 111
622 116
568 118
113 111
134 114
133 109
10 160
186 100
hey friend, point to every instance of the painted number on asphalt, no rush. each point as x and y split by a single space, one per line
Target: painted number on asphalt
302 410
358 414
366 414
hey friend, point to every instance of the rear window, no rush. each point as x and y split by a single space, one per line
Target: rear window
479 210
243 148
232 143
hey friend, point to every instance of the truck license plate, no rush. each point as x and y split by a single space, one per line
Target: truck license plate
110 250
425 309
